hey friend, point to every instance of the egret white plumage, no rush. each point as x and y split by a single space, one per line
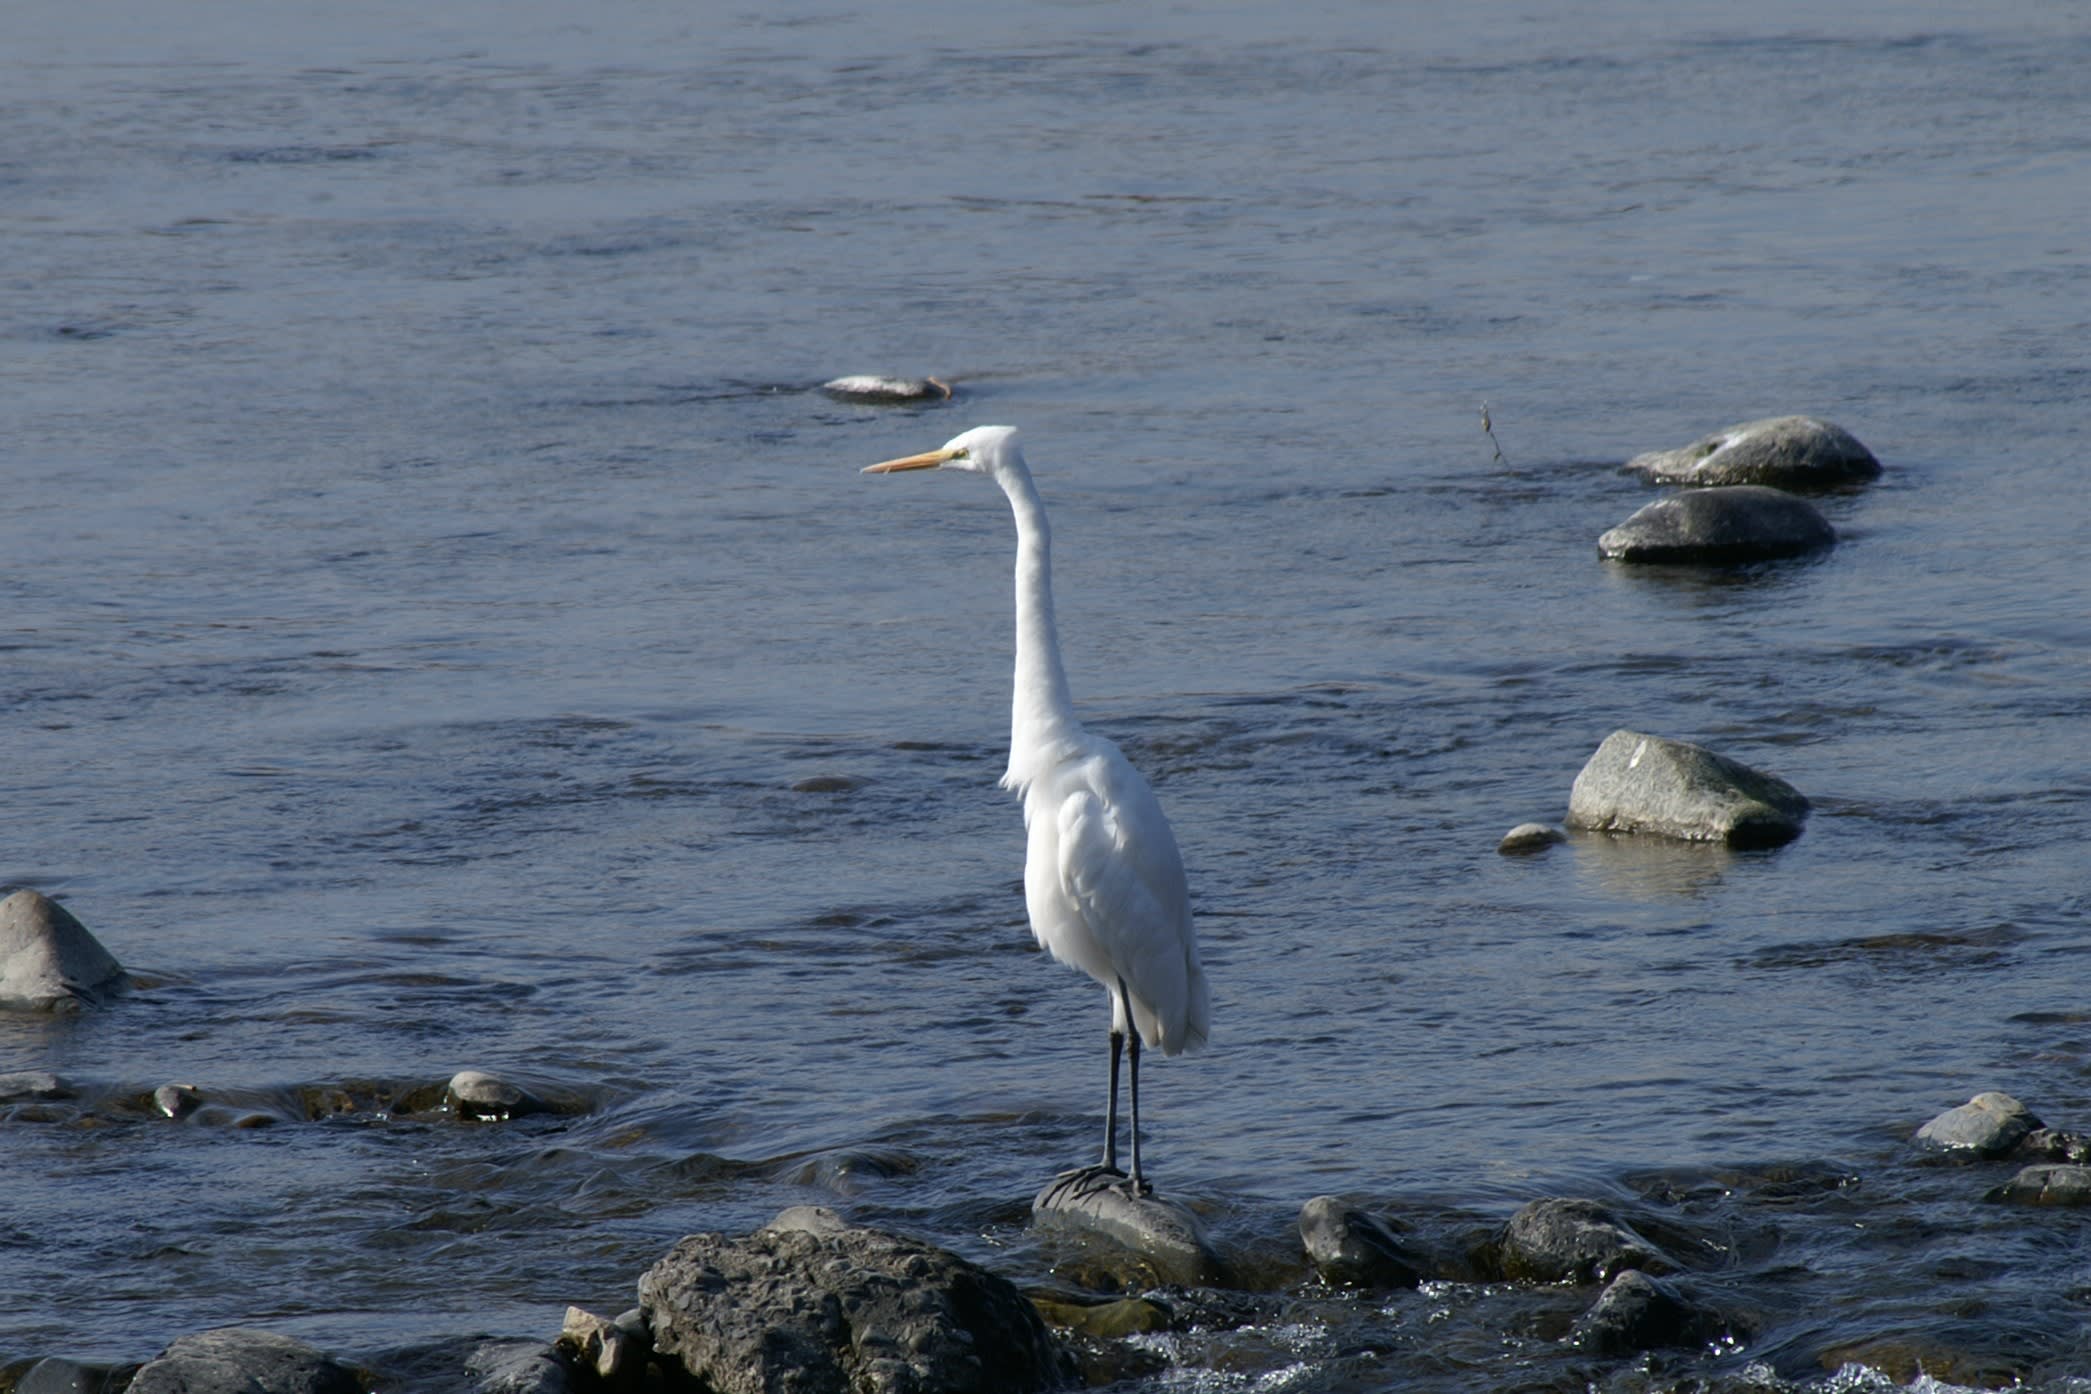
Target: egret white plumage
1103 880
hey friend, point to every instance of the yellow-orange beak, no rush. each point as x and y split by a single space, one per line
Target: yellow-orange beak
928 460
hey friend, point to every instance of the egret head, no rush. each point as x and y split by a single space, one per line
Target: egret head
985 450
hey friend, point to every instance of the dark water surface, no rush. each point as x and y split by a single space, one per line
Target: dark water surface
428 574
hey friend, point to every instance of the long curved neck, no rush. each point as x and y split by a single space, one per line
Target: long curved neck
1042 712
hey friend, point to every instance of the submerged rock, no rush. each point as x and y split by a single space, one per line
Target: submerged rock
243 1360
1639 1313
477 1094
876 390
1557 1239
1735 523
2049 1183
1786 452
815 1306
58 1375
177 1100
1350 1245
1988 1125
48 960
1646 784
33 1084
1530 837
1162 1231
1125 1316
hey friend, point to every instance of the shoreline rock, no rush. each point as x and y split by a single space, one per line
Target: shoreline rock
1567 1239
1988 1125
1350 1246
1164 1232
241 1358
1637 783
1785 452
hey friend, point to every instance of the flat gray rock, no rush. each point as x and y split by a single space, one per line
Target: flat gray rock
2050 1183
48 960
1785 452
1353 1246
243 1360
1988 1125
1739 523
876 390
1162 1231
1637 783
813 1309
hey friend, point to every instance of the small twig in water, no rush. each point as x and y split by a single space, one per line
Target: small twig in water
1488 428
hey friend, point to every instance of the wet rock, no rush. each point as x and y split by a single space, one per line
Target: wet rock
1163 1232
516 1367
33 1084
1557 1239
604 1349
815 1306
826 784
1785 452
177 1100
48 960
243 1360
1988 1125
477 1094
1647 784
2047 1183
1736 523
57 1375
1126 1316
1640 1313
1353 1246
876 390
2054 1145
1530 837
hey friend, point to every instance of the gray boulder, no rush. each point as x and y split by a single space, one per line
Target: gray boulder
1561 1239
1736 523
1988 1125
1640 1313
1352 1246
1163 1232
1786 452
243 1360
48 960
2050 1183
815 1306
1637 783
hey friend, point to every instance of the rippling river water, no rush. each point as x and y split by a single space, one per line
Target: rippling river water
444 627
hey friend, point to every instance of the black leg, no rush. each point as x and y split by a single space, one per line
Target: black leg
1139 1182
1111 1113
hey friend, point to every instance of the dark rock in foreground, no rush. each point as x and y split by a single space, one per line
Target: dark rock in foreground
1353 1246
1638 1313
48 960
1738 523
1785 452
1159 1230
243 1360
2050 1183
1646 784
1988 1125
814 1306
58 1375
1559 1239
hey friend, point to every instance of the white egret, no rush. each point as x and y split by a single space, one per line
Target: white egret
1103 881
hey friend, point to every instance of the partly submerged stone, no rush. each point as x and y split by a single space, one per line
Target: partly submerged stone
1736 523
1124 1316
877 390
1162 1231
33 1084
1350 1245
1530 837
1566 1239
479 1095
1988 1125
1637 1312
48 960
59 1375
2049 1183
819 1307
1637 783
243 1360
1785 452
